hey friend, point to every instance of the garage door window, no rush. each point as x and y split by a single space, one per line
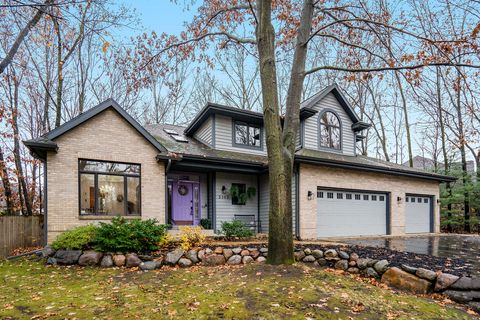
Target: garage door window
365 197
382 198
374 198
348 196
339 195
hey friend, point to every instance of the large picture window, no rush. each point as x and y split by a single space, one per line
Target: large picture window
330 131
109 188
247 135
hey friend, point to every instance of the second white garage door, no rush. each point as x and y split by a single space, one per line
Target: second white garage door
351 213
418 214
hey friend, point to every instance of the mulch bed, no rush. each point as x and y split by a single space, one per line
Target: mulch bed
396 258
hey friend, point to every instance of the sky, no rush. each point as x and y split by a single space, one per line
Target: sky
156 15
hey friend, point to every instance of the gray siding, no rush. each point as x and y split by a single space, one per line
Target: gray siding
264 195
225 210
265 203
204 133
223 137
311 126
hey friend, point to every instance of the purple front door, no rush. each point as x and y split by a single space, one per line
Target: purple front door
185 203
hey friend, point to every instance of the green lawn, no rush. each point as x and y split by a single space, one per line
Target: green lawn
30 290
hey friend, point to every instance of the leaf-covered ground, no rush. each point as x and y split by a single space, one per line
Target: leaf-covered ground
30 290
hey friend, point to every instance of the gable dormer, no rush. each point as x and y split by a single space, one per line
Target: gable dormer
228 128
333 127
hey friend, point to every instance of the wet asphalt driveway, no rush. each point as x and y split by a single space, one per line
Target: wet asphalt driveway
463 247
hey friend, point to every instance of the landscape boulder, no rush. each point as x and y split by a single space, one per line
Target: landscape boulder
462 296
331 254
184 262
119 260
409 269
309 258
261 259
173 256
444 280
466 283
235 259
247 259
90 258
227 253
343 255
299 255
67 257
214 260
192 255
149 265
341 265
372 273
107 261
426 274
317 253
399 279
132 260
362 263
381 266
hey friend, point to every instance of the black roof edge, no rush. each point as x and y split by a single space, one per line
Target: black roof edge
360 125
211 107
335 89
109 103
371 168
186 157
307 113
39 149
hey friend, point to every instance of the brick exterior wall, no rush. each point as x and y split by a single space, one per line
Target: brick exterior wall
107 137
312 176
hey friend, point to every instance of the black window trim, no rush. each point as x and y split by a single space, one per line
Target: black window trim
249 125
95 183
320 124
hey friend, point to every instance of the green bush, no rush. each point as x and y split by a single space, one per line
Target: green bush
236 228
129 235
206 223
79 238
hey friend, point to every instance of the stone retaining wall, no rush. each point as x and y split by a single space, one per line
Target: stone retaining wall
464 290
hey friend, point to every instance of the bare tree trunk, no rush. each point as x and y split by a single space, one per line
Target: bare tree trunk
21 36
281 145
444 146
16 151
461 133
7 189
407 124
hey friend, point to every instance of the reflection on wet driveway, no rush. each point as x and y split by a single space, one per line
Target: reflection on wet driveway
462 247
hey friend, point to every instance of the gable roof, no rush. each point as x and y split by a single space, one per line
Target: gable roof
215 108
335 90
45 143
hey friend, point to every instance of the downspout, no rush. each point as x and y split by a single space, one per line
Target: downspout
167 169
297 202
45 201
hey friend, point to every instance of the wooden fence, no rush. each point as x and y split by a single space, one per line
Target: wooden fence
20 231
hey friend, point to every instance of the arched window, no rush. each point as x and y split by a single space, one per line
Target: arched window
330 131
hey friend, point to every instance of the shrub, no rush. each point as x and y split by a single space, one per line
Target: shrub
206 223
79 238
236 228
191 237
123 235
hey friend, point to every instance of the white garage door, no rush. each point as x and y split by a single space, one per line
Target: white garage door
350 213
417 214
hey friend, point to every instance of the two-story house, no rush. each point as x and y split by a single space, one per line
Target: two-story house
103 163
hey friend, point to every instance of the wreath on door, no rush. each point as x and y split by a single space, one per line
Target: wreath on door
182 190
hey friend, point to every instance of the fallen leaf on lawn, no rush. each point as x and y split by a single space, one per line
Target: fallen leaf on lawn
359 307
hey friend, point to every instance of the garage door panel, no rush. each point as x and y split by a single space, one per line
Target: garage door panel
349 213
417 214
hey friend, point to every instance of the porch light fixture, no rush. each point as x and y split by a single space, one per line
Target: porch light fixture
310 195
224 190
399 199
